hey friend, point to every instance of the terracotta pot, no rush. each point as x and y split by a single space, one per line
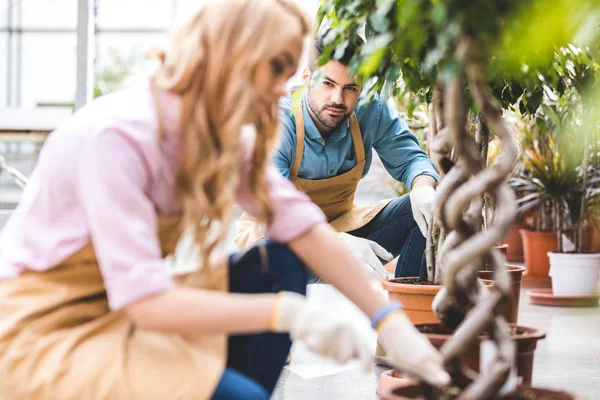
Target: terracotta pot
416 299
503 249
515 244
391 380
595 237
536 246
526 339
415 391
591 243
511 308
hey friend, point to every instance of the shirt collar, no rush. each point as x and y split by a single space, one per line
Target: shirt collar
310 129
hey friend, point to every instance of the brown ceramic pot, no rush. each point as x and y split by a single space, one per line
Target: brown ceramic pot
503 249
525 338
536 246
515 244
415 392
416 299
511 308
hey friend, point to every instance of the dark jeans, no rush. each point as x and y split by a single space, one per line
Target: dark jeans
255 361
395 229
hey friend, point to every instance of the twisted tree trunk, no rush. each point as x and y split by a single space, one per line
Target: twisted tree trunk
464 303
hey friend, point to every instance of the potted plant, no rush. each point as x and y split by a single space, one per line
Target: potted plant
539 179
575 272
441 52
560 180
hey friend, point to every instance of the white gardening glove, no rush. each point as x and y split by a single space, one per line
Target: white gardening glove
421 202
322 331
367 251
410 351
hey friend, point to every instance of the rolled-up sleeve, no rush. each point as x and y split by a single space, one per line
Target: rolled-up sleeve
399 148
113 175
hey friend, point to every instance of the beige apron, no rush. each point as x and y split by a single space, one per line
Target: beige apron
335 196
60 341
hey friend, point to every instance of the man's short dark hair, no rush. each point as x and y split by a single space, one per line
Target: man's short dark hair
319 47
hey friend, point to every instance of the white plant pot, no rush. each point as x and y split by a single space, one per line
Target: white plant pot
574 274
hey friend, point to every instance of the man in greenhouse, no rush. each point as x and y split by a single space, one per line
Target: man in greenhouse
326 149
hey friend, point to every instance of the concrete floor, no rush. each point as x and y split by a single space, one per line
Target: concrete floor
568 359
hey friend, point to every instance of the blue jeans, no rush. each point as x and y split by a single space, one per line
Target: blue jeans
395 229
255 361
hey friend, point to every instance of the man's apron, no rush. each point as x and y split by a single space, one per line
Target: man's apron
335 196
60 341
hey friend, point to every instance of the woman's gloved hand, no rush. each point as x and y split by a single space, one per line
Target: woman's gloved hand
324 332
368 253
410 351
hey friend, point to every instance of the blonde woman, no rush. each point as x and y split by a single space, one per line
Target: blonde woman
87 307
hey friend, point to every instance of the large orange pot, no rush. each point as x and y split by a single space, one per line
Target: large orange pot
536 246
416 298
515 244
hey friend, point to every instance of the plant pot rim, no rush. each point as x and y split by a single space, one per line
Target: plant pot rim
400 285
397 286
510 268
534 232
389 394
556 254
528 332
515 268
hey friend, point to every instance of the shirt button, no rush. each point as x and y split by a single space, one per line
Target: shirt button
321 141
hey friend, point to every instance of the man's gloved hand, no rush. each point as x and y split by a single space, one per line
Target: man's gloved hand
367 251
411 351
324 332
421 202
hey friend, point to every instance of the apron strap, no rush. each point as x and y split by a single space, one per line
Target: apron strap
359 147
299 142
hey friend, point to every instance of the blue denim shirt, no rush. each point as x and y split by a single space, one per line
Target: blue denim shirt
382 129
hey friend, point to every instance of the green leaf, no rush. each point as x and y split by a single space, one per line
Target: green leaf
371 64
340 49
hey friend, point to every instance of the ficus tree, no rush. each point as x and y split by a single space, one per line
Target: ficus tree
468 60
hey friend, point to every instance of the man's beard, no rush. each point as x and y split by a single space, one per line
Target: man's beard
328 121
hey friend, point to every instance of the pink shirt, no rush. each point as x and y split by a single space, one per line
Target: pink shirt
102 177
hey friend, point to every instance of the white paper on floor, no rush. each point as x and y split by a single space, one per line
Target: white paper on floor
318 369
309 365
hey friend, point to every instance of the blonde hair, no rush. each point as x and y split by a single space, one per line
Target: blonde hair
211 64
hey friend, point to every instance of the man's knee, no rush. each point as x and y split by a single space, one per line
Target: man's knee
288 267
